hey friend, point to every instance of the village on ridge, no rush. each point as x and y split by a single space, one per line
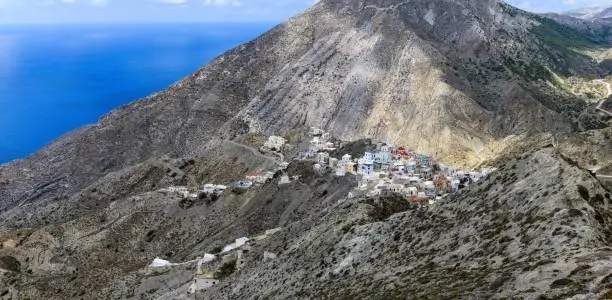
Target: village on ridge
389 169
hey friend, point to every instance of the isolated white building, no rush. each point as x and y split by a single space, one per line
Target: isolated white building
159 263
273 230
284 180
202 282
213 188
241 241
316 131
275 143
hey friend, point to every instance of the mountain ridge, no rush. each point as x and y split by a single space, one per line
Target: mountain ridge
469 82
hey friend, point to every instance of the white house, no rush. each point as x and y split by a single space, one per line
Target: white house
411 191
259 177
429 185
236 244
213 188
284 180
396 188
273 230
275 143
368 156
323 158
228 248
202 282
316 131
374 193
159 263
241 241
206 259
414 179
341 168
387 148
346 158
455 185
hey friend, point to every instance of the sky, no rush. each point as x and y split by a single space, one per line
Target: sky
121 11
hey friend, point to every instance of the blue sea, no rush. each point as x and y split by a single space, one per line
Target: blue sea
57 78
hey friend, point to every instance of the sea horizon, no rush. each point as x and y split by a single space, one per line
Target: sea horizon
58 77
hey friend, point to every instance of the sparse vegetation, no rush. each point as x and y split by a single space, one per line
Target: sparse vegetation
226 269
562 283
238 191
216 249
584 192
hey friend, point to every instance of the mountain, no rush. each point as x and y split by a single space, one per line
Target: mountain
591 13
471 82
593 22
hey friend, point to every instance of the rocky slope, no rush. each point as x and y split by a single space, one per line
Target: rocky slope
445 77
591 13
593 22
538 228
467 81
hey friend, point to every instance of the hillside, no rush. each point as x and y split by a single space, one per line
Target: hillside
594 22
469 82
447 78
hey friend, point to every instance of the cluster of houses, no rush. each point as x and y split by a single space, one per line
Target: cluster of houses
205 276
393 169
208 189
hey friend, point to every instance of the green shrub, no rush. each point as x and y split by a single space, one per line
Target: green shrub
574 213
584 192
238 191
216 250
226 269
561 283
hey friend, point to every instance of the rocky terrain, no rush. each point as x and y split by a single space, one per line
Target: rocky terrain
592 22
591 13
539 228
471 82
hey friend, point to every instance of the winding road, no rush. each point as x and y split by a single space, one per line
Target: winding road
609 88
256 152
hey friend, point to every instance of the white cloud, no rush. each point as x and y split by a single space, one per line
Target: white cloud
222 2
178 2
